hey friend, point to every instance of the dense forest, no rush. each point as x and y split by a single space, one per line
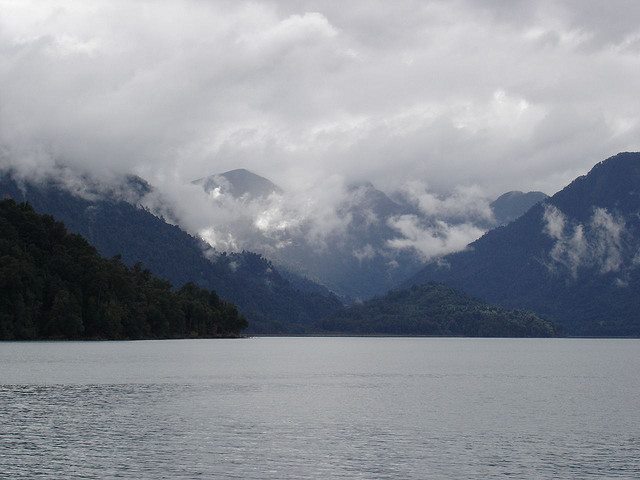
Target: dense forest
435 309
54 285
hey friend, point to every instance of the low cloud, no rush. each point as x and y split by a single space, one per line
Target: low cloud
260 224
365 253
322 214
463 204
431 241
597 244
502 94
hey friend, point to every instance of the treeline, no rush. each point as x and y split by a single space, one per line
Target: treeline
438 310
54 285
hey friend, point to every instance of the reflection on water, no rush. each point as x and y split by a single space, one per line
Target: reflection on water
289 408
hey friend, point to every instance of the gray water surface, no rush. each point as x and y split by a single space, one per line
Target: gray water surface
296 408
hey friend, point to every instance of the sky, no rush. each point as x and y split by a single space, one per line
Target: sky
455 95
499 94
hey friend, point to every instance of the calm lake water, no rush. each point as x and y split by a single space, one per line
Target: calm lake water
295 408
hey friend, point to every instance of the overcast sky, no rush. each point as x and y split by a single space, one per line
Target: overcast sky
501 94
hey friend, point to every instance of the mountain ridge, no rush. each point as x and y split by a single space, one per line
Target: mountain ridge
239 183
512 205
571 259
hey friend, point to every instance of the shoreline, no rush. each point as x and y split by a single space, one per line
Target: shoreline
245 337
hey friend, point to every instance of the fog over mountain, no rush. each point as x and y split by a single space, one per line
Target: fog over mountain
375 242
443 106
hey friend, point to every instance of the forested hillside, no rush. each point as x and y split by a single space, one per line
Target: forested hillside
116 226
435 309
54 285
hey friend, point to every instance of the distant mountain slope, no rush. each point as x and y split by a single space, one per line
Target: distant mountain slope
54 285
434 309
511 205
575 258
117 227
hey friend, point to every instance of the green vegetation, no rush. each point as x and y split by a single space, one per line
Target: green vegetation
435 309
54 285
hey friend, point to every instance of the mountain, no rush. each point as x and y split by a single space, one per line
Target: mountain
239 183
364 258
574 258
110 219
56 286
435 309
511 205
357 261
365 199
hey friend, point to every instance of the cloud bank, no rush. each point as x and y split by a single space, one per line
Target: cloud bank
471 98
501 94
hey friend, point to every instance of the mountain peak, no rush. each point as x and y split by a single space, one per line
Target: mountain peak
366 195
511 205
239 183
366 185
622 164
613 183
619 159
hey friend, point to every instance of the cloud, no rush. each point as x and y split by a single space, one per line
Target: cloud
464 203
259 224
447 92
365 253
598 244
432 241
608 232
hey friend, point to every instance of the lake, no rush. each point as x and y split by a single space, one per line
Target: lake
296 408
